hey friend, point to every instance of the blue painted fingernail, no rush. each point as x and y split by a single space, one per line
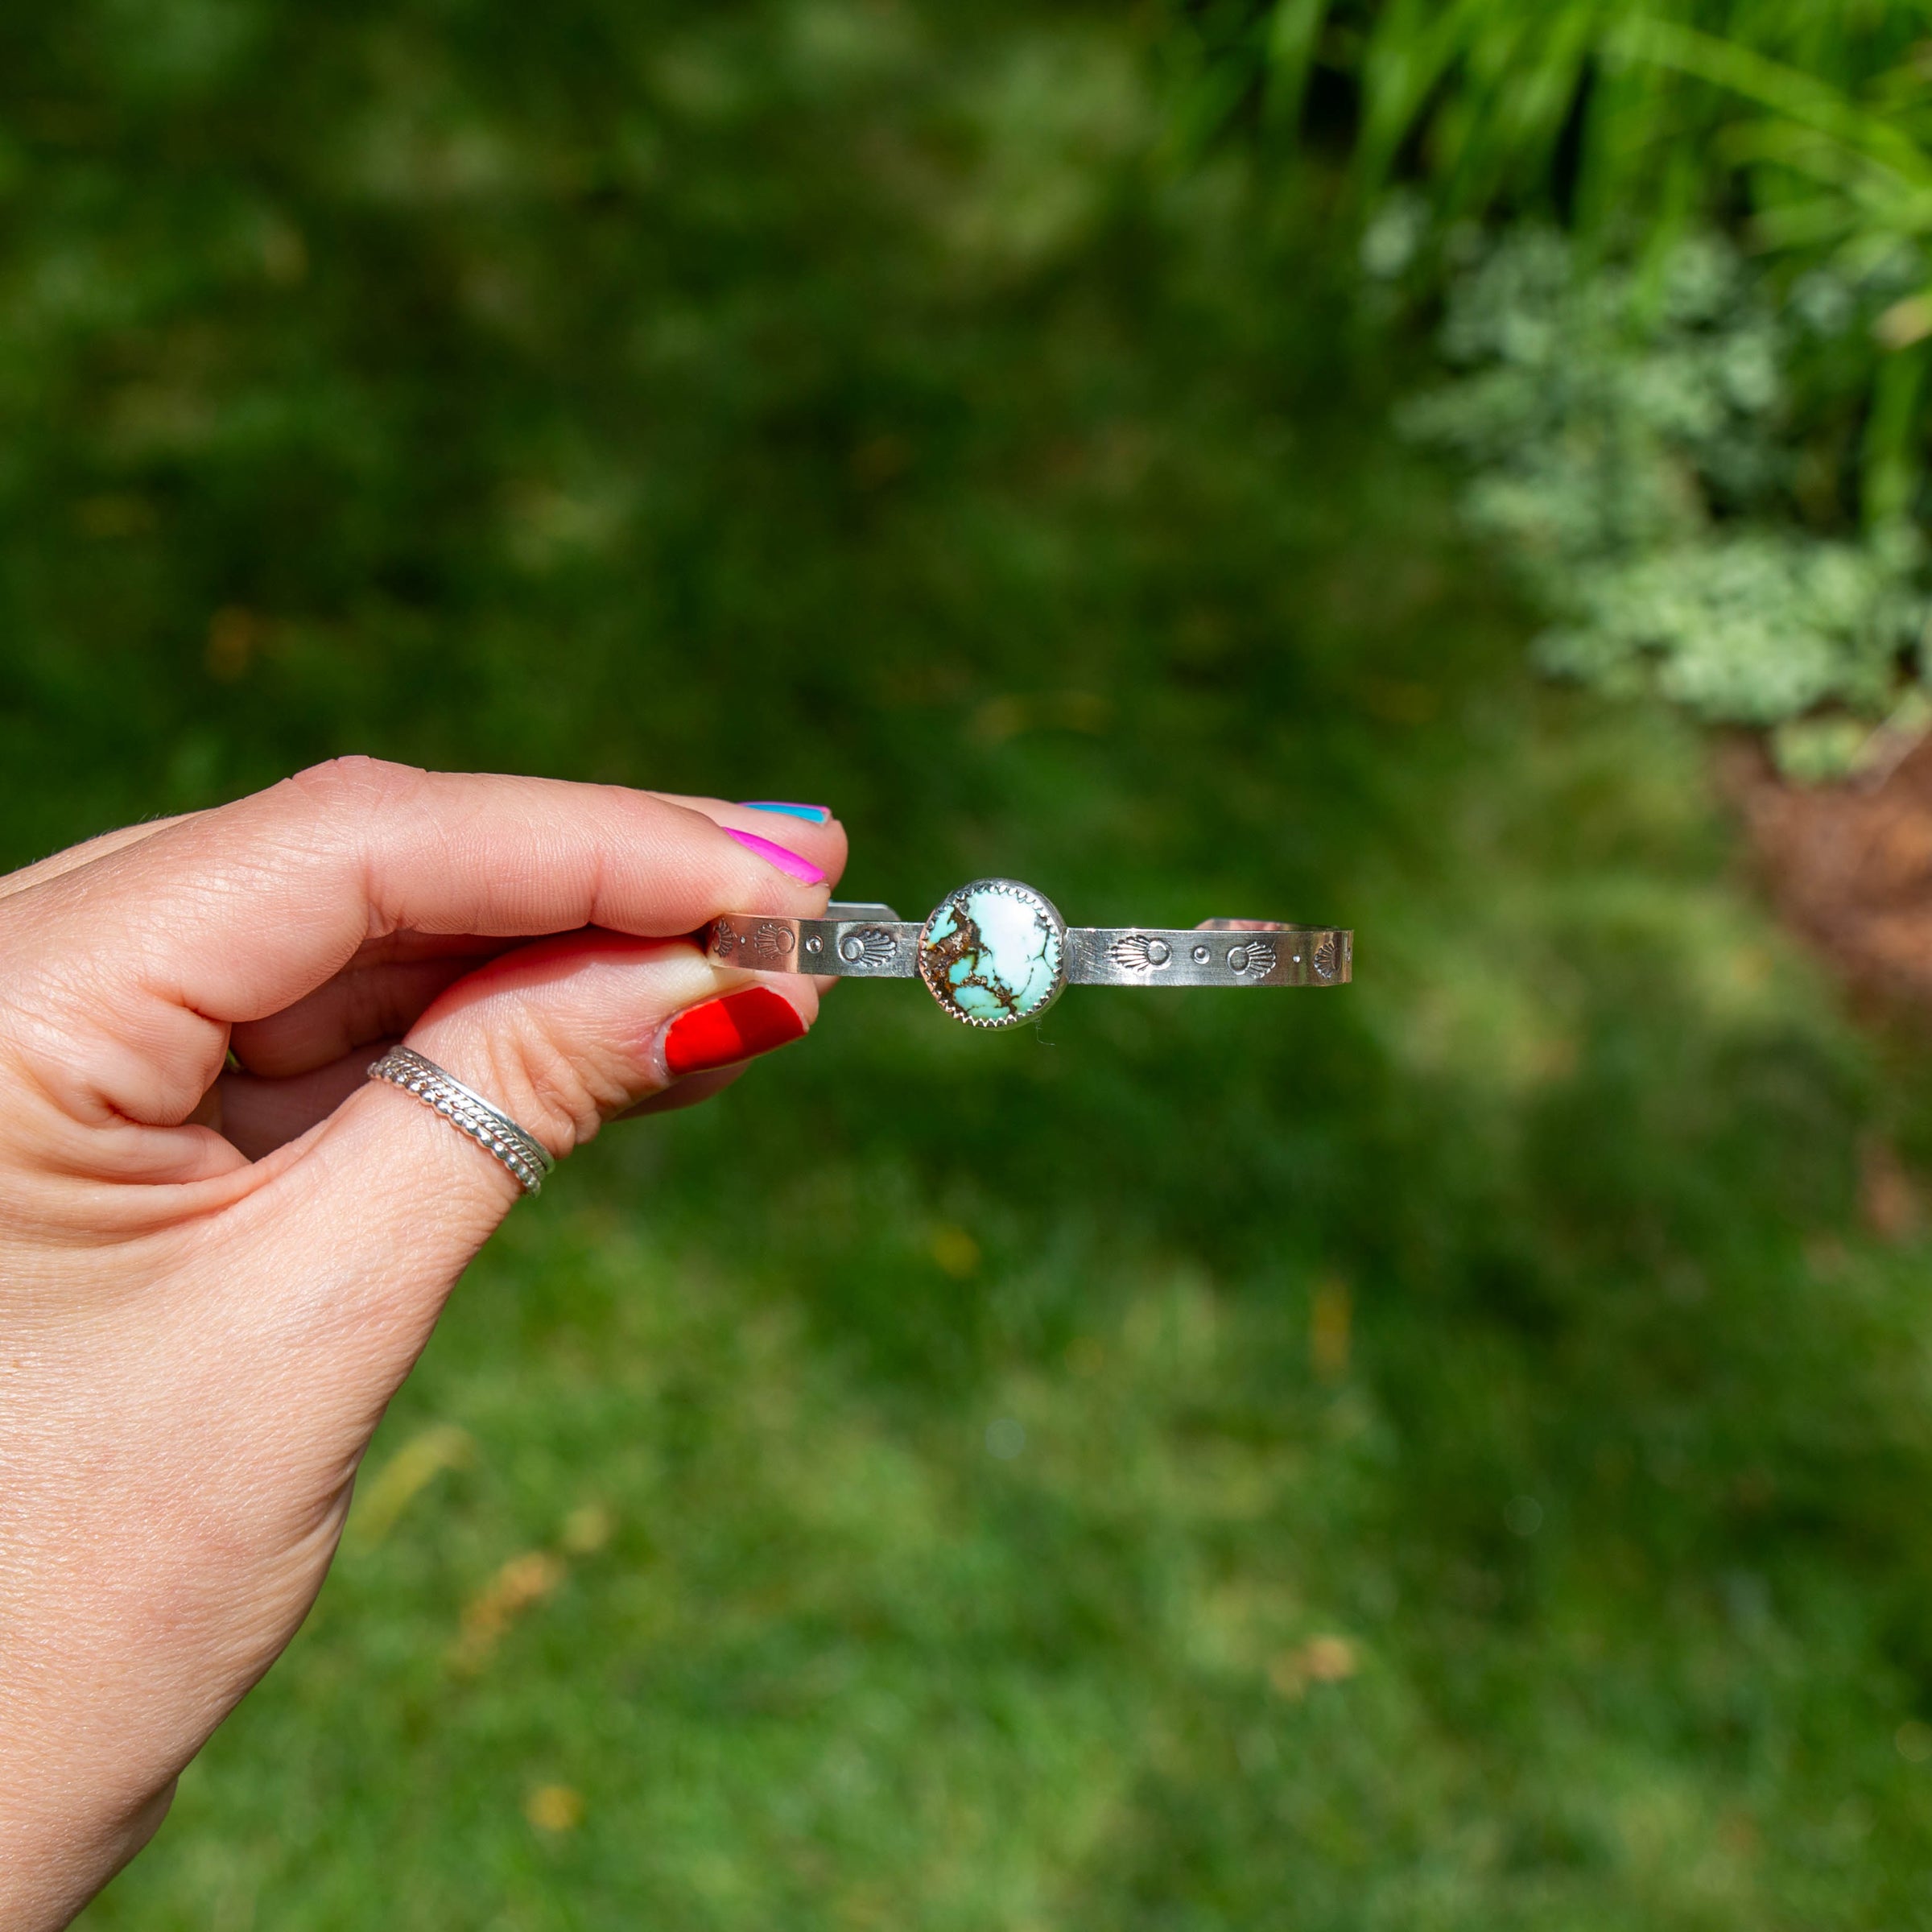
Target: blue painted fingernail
817 814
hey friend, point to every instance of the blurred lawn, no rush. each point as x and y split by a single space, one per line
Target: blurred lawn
1439 1455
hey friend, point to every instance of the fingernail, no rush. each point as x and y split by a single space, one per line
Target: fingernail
816 814
782 857
721 1032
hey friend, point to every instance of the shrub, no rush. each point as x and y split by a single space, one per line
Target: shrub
1635 452
1688 374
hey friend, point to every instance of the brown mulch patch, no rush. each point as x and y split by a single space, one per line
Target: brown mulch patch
1849 866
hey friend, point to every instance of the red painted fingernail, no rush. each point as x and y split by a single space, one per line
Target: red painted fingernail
723 1031
781 856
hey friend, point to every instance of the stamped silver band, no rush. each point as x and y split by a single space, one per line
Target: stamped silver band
1218 952
468 1112
996 951
856 942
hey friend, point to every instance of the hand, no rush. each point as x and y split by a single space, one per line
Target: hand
200 1328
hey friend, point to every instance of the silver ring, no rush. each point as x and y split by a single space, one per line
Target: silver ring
997 953
468 1112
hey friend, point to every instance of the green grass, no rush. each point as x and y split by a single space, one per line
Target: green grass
1628 117
838 401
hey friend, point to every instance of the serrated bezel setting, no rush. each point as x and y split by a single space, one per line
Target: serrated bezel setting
993 953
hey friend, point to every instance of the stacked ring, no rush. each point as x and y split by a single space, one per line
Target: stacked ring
468 1112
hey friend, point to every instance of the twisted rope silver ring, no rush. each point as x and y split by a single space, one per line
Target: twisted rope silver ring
997 953
468 1112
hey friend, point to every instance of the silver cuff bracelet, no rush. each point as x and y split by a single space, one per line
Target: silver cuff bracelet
997 953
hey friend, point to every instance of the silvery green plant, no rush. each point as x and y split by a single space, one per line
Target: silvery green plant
1708 458
1631 444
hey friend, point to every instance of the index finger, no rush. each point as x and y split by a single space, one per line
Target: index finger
234 913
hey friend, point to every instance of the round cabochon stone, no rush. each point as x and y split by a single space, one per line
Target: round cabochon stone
991 953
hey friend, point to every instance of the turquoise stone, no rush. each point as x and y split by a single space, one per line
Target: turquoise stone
991 954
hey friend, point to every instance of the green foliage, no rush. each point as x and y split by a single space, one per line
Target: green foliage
1631 114
1639 488
1630 441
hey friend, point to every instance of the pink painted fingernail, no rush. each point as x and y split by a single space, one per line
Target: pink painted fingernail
787 860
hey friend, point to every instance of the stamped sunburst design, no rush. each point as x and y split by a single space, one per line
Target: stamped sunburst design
993 953
1327 955
770 940
1255 958
1140 952
871 947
